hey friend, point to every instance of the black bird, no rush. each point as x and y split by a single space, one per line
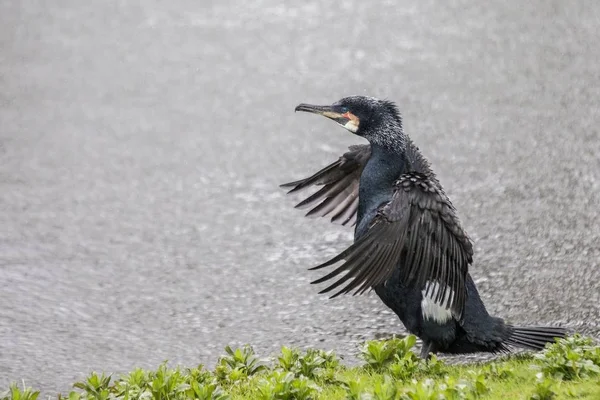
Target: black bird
409 245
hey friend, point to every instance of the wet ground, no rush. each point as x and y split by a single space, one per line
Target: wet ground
141 145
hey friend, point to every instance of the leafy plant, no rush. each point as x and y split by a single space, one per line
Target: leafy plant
356 389
392 371
309 364
386 389
433 367
452 388
283 385
570 358
406 367
379 353
424 390
95 386
238 364
498 371
17 394
164 383
132 384
137 377
198 374
543 389
206 391
288 360
478 386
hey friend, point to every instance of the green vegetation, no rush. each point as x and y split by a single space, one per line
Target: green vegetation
567 369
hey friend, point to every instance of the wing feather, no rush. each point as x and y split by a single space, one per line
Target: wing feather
340 181
416 231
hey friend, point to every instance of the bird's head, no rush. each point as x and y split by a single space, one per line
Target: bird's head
376 120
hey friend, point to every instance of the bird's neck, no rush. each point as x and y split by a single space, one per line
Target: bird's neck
376 182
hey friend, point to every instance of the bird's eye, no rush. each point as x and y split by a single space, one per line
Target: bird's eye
344 110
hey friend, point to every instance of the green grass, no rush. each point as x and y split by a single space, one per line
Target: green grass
568 369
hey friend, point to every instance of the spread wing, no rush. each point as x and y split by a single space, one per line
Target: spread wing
418 232
339 195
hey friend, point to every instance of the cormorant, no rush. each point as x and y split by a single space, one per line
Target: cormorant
409 245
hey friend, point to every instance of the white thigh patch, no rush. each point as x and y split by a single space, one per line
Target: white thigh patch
435 310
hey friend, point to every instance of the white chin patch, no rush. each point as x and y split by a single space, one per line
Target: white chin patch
433 310
351 126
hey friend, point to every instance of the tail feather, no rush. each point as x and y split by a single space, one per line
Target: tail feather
534 338
527 341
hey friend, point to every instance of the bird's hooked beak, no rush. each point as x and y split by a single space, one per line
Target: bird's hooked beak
334 112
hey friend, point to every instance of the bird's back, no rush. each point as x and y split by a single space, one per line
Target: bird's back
416 161
378 177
